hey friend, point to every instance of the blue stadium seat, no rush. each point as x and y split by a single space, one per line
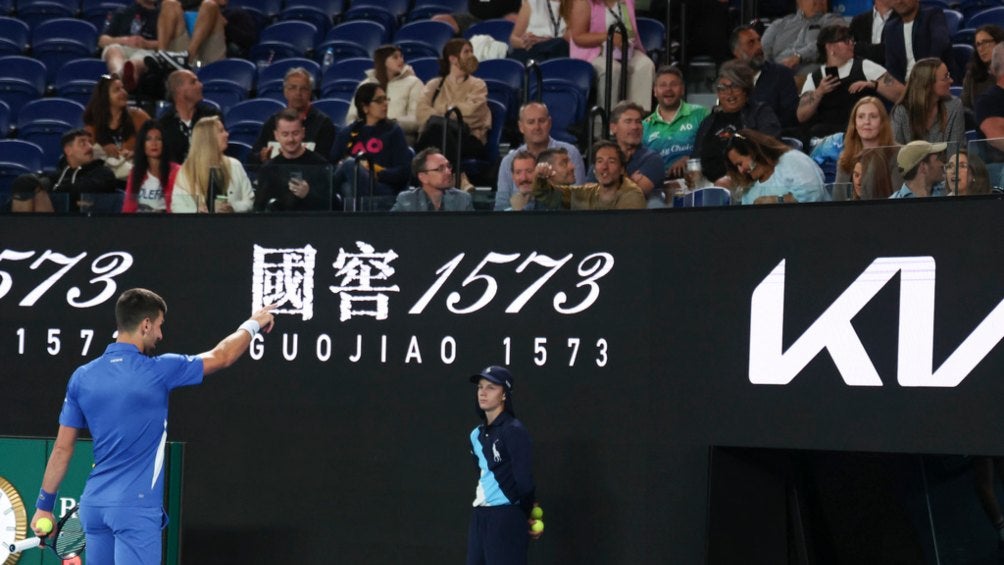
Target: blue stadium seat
44 121
283 40
6 7
385 12
352 39
500 29
576 71
952 17
423 39
476 168
54 42
508 71
962 53
427 68
77 78
971 7
270 78
4 119
23 79
227 81
238 150
244 119
334 109
424 9
17 157
321 13
34 12
652 33
566 108
13 36
341 89
354 68
987 16
965 36
99 12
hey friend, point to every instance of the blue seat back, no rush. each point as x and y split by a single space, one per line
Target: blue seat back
14 36
652 34
352 39
99 12
17 157
962 54
275 73
988 16
44 121
423 38
55 42
424 9
954 20
4 119
283 40
244 119
239 71
321 13
23 79
334 109
35 12
427 68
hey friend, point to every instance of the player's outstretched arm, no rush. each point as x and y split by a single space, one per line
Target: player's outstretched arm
55 471
228 351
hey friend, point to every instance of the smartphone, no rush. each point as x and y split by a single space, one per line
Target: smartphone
832 72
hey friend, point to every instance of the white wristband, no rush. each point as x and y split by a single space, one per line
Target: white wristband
251 327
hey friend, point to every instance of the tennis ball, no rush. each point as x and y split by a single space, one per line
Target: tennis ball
537 513
43 525
537 526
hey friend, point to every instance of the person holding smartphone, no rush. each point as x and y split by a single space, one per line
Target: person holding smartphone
296 178
830 91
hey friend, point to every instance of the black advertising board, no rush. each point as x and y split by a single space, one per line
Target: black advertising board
629 336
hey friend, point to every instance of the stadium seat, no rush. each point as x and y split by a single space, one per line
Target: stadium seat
238 150
34 12
98 12
54 42
354 68
321 13
4 119
385 12
423 39
965 36
652 33
953 18
44 121
77 78
427 68
283 40
244 119
227 81
6 7
23 79
971 7
568 76
17 157
425 9
576 71
499 29
509 71
270 78
962 53
352 39
477 168
334 109
565 106
988 16
13 36
341 89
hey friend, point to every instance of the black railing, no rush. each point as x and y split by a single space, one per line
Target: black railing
616 27
534 66
453 110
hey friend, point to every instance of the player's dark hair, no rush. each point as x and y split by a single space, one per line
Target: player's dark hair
136 305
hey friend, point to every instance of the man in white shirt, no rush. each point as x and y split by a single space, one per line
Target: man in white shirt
867 30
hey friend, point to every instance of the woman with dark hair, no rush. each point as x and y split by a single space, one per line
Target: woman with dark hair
403 88
541 30
735 111
768 171
870 175
928 111
375 145
966 175
456 86
151 181
113 124
978 78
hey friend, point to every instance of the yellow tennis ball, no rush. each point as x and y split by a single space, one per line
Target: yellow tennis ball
537 513
43 525
537 526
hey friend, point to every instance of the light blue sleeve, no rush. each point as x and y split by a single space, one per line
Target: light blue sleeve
802 177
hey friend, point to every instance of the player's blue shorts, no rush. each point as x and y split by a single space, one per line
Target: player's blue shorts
123 534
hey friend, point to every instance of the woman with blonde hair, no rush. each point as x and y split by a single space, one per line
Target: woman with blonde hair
928 111
869 129
192 187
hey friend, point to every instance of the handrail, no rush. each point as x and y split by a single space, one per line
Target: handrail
590 129
668 40
460 140
535 67
616 27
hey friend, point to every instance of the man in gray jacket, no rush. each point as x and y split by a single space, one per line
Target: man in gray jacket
436 192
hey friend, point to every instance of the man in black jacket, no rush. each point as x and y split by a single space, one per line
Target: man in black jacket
80 174
319 131
866 28
185 92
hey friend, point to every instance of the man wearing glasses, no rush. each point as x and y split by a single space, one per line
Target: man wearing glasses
436 192
832 89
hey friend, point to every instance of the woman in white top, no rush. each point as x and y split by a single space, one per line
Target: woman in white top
403 88
770 172
541 30
191 189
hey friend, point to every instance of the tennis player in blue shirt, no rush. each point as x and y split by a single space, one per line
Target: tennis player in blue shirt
121 397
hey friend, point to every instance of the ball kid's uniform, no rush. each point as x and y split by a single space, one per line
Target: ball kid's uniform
122 397
505 493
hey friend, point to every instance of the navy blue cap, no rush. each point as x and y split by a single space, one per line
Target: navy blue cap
496 374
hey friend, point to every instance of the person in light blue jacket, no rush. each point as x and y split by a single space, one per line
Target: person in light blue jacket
768 171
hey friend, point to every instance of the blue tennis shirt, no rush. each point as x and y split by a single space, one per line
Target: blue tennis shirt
121 397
